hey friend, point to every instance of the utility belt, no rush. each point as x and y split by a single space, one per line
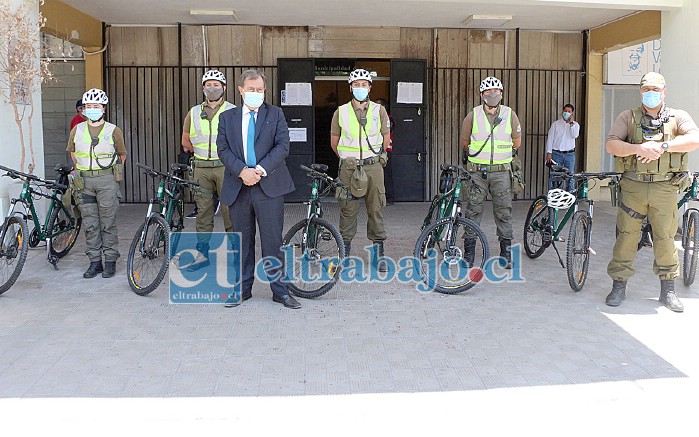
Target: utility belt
95 173
366 161
564 151
206 163
473 167
648 177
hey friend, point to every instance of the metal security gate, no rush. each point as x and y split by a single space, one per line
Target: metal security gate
149 105
537 96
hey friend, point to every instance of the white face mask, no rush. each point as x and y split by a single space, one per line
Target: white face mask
253 99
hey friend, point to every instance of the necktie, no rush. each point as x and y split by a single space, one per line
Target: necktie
251 159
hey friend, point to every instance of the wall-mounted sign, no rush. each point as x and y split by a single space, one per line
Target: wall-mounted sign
628 65
300 94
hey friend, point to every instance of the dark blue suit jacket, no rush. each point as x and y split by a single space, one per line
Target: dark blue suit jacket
271 150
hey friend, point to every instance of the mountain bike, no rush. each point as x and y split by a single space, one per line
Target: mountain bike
543 228
150 249
444 266
316 244
689 230
60 228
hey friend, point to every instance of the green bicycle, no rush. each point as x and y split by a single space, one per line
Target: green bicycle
317 245
150 251
59 230
542 227
689 230
443 234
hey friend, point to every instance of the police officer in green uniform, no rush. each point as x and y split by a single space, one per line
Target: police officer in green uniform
358 131
199 134
488 135
98 151
650 145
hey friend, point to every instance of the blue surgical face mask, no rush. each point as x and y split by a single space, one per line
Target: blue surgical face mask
652 98
566 116
93 114
253 99
360 93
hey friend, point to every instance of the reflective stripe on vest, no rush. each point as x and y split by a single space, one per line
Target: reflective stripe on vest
498 150
667 163
87 157
348 146
203 133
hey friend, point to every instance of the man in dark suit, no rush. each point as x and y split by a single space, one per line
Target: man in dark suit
253 143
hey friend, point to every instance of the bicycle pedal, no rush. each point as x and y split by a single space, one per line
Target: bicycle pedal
326 236
560 240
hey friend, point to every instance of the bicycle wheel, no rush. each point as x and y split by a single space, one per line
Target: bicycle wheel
63 236
14 246
318 250
148 258
690 239
535 226
445 267
578 251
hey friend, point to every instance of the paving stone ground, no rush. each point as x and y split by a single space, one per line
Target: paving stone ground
499 356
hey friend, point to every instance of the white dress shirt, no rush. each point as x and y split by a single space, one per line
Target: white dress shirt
246 124
562 136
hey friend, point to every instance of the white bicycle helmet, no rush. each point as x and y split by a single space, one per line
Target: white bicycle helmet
95 95
359 74
213 75
560 199
490 83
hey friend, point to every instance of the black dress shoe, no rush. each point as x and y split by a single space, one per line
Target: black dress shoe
230 303
287 301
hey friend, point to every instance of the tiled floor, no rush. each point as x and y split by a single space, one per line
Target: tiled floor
536 352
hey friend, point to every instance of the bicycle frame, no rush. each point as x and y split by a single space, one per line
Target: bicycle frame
689 194
448 202
26 199
581 193
315 210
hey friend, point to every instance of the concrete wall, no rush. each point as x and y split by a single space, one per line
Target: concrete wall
58 107
680 36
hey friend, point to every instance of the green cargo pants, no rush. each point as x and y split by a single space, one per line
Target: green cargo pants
657 200
499 185
210 180
99 202
375 201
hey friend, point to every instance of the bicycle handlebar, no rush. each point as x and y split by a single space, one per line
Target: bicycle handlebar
16 174
155 173
318 174
560 172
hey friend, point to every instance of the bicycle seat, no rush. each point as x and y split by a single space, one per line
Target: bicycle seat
319 167
63 168
177 167
447 167
559 169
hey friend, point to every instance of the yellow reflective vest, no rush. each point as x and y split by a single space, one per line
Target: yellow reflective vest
498 149
351 131
102 155
203 132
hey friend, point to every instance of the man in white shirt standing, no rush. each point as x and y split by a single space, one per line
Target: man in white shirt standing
560 144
